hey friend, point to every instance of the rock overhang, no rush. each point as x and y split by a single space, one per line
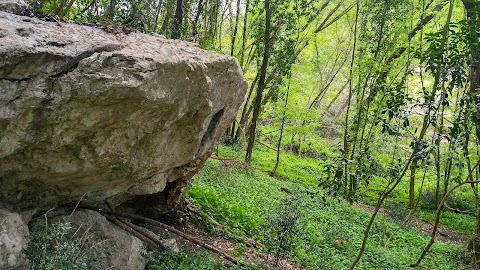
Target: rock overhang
88 114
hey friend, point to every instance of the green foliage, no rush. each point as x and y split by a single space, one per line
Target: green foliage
283 225
460 223
331 232
183 260
239 202
292 167
52 247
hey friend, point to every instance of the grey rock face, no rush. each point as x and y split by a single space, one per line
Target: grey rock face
87 114
14 6
13 239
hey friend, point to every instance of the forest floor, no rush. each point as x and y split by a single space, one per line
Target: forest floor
230 205
186 219
444 234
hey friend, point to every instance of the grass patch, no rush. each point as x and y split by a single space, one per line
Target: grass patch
303 170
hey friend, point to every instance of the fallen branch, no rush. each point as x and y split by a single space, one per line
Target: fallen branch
266 145
163 226
139 232
458 211
132 231
213 156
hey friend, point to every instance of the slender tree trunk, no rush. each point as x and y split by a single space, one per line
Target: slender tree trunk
474 22
244 34
177 21
411 189
284 118
337 95
261 84
243 116
157 15
111 9
170 6
437 170
220 26
195 20
64 7
235 30
211 31
344 167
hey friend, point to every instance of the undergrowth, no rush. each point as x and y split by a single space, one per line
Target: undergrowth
51 247
188 259
183 260
240 198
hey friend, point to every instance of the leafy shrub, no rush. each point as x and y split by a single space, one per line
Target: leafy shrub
283 225
455 200
50 248
428 199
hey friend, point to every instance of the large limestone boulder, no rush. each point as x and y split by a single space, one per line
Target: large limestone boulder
94 114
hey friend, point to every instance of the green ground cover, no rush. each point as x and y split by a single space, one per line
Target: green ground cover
241 198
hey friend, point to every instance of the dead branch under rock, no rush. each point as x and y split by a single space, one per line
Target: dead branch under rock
134 232
162 226
213 156
225 161
139 232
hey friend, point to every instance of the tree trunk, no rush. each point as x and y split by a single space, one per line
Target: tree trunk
220 26
474 22
170 5
243 117
244 34
411 189
261 84
111 9
157 15
177 21
234 35
211 27
342 169
279 144
64 7
195 20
